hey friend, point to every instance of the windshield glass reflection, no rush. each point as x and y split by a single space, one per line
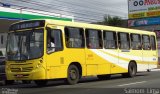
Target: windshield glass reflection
25 45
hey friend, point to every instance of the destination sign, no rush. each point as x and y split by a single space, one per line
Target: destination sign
27 25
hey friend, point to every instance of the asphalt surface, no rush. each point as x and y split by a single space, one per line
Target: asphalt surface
143 83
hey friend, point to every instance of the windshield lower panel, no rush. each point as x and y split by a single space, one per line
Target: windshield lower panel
25 45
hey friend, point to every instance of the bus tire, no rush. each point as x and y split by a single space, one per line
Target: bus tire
132 70
148 70
104 77
41 82
73 75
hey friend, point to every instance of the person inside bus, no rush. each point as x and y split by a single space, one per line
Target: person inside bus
50 45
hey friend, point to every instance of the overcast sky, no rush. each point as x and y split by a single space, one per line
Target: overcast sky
82 10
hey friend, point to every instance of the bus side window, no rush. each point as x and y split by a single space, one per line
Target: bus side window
136 42
110 40
74 37
124 41
94 39
153 43
146 42
54 40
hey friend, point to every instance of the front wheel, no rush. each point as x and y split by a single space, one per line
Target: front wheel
73 75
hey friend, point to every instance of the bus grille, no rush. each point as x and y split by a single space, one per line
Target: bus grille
24 69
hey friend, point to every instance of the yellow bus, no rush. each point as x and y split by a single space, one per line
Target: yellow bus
42 50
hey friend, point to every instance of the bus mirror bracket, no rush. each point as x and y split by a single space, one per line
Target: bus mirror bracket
48 28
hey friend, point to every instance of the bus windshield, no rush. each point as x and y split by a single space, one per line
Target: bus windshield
25 45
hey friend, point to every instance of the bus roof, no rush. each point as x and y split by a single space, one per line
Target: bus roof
89 26
94 26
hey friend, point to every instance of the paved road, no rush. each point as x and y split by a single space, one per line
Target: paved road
143 83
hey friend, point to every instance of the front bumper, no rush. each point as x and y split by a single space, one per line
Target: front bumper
37 74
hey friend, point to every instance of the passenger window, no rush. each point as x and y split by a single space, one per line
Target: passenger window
136 42
94 39
54 40
110 40
124 42
2 39
146 42
153 43
74 37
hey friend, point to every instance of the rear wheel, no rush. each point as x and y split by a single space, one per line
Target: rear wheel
41 82
132 70
148 70
104 77
73 75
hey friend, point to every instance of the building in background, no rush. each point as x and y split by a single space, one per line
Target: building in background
145 15
9 15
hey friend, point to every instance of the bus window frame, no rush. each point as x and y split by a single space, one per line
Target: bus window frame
49 28
119 44
154 42
149 42
100 37
140 48
115 40
29 29
83 37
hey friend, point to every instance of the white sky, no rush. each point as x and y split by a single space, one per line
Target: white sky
82 10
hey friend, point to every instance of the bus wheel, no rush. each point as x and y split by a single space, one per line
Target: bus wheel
9 82
148 70
73 75
132 70
104 77
41 82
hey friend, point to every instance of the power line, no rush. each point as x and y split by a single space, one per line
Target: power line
78 17
66 11
95 10
94 2
51 5
63 10
77 14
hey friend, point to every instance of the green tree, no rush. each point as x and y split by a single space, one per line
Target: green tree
112 21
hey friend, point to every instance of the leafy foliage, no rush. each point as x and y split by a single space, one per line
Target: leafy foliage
112 21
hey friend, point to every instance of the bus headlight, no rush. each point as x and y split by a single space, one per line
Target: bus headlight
39 65
8 67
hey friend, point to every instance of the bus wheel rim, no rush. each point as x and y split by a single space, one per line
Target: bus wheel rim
73 74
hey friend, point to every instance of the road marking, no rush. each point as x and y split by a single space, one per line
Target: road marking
132 83
155 69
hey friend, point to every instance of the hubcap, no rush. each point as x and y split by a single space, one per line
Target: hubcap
133 70
73 75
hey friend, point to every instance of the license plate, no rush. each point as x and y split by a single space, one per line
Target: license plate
19 75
